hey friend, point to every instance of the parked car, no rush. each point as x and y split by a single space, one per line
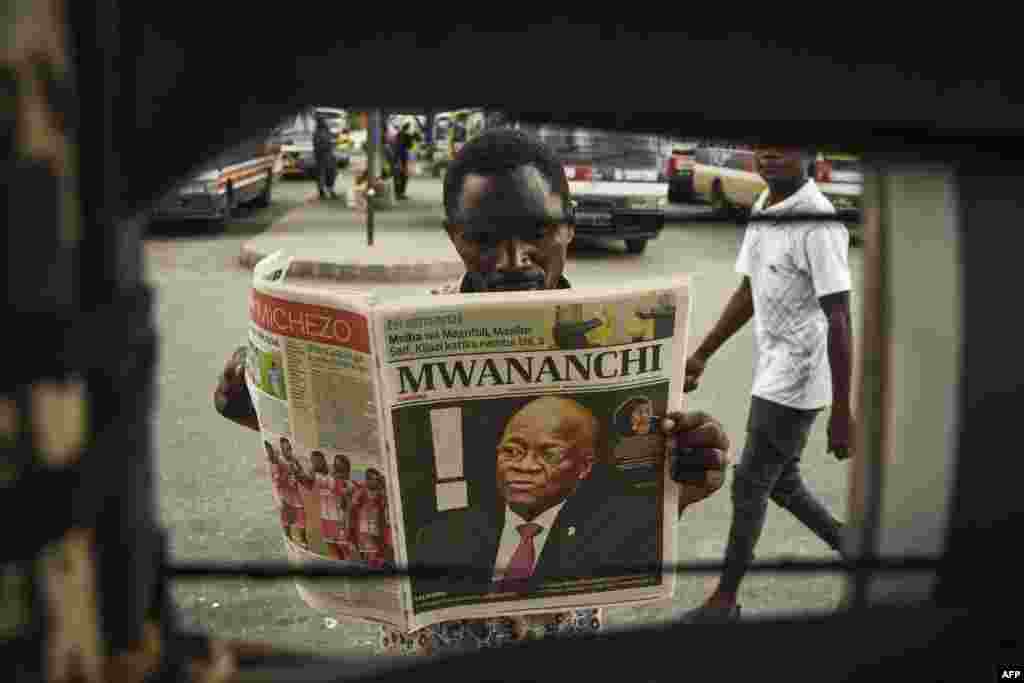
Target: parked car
243 175
616 179
726 177
841 178
679 173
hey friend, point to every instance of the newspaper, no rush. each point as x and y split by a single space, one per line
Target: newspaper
509 438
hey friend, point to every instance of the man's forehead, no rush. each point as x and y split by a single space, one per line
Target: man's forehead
556 419
521 192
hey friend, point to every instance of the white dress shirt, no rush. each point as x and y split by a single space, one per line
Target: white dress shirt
510 537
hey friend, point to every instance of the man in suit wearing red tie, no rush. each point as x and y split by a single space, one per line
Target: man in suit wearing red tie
562 514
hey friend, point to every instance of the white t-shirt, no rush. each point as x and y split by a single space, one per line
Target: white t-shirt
790 266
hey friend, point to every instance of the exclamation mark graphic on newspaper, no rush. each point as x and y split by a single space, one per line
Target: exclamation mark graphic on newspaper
446 425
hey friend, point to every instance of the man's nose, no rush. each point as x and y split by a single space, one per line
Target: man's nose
513 255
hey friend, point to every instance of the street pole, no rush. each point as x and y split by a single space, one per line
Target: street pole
373 138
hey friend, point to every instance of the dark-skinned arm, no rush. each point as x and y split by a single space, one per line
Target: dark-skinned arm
840 359
231 397
738 311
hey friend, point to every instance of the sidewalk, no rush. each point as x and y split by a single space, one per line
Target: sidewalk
328 239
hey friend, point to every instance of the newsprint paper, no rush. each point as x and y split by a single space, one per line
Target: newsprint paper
508 437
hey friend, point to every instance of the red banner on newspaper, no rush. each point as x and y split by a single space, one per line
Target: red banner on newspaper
318 324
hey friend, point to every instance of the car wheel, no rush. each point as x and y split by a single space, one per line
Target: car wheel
681 193
263 201
636 246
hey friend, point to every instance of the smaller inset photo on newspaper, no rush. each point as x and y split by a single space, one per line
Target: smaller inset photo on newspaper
637 444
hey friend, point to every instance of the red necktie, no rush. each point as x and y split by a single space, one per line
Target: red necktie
520 567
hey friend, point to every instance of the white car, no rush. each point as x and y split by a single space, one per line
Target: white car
617 181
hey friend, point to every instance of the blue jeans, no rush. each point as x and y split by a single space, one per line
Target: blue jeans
769 469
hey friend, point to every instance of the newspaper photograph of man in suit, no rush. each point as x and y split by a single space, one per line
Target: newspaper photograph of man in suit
548 513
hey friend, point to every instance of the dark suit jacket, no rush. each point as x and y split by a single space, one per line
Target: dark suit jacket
611 529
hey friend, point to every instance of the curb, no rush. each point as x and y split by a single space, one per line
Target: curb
367 267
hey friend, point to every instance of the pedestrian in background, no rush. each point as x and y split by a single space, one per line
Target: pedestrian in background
404 143
796 287
326 161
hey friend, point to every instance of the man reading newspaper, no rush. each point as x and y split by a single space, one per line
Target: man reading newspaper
509 216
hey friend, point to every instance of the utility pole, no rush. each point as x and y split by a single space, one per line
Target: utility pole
373 138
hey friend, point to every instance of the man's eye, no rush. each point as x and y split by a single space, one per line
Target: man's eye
510 452
553 456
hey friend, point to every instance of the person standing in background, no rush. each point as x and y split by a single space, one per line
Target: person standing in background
404 144
324 144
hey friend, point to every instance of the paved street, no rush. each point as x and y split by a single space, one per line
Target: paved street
216 501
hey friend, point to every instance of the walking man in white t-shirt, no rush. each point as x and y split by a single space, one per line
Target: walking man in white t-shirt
796 284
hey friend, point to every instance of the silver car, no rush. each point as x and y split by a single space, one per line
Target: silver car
617 180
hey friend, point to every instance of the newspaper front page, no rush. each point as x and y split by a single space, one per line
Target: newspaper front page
510 440
525 448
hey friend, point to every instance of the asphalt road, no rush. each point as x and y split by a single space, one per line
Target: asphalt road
216 501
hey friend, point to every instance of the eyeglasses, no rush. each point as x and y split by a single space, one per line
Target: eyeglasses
550 455
490 238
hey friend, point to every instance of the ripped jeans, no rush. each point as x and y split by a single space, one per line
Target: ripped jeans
769 469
